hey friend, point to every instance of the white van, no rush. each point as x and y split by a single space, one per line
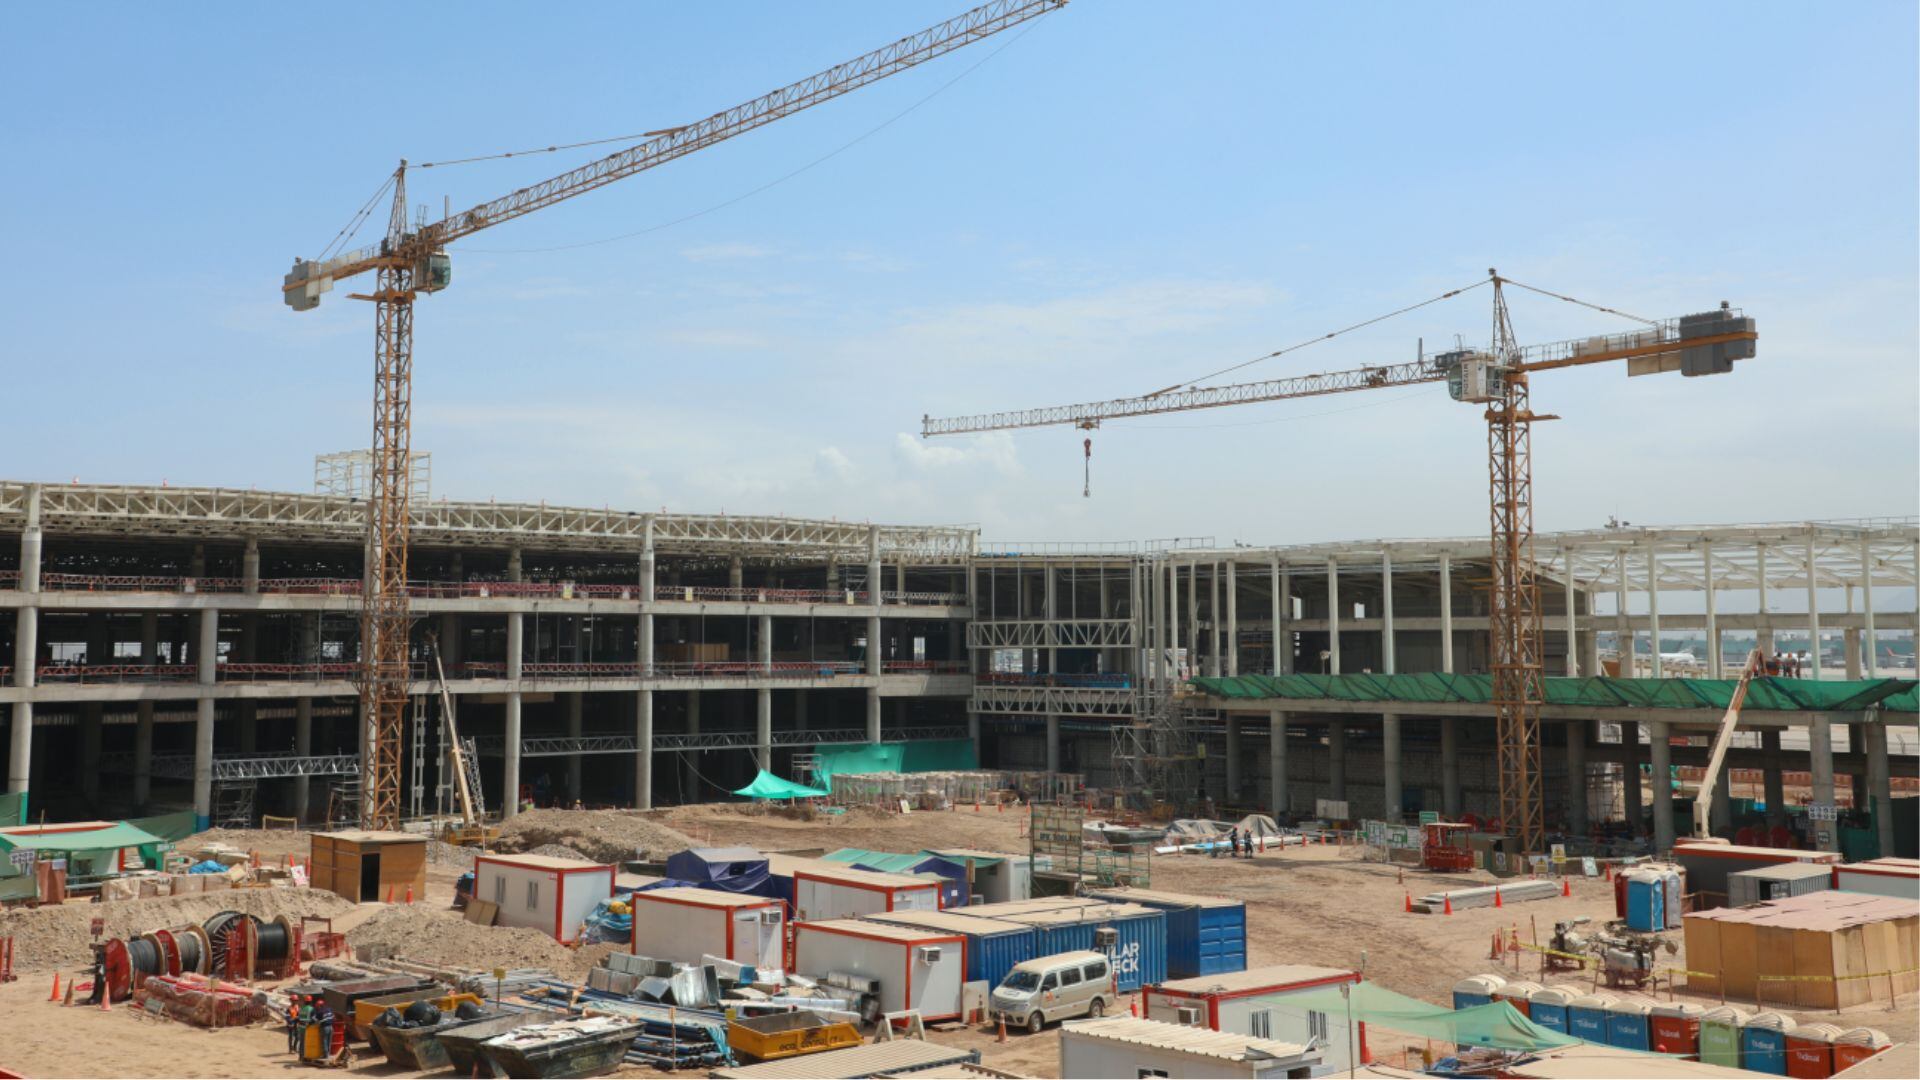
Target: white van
1057 987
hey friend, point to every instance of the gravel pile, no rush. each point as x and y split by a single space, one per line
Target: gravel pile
443 938
57 936
610 836
556 851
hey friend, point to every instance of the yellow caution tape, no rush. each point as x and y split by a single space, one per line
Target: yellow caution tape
1834 978
1543 950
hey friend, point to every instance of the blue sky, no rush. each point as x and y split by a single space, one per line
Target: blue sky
1121 197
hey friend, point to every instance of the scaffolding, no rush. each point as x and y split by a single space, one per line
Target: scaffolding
349 474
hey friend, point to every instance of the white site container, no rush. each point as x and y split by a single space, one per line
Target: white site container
1128 1046
1898 878
848 893
687 924
917 969
1253 1002
554 896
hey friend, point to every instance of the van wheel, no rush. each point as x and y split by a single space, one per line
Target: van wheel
1035 1022
1098 1009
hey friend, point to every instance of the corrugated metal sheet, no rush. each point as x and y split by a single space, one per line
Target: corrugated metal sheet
901 1055
1139 957
1206 935
1777 882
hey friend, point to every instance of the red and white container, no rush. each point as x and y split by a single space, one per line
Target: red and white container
687 924
1242 1002
1898 878
554 896
916 968
849 893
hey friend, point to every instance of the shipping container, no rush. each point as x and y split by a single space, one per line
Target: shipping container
997 877
1140 954
1898 878
845 893
1206 935
1708 865
1254 1002
1777 882
1129 1046
994 946
687 924
554 896
916 969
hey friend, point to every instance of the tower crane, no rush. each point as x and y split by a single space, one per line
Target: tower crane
412 259
1499 379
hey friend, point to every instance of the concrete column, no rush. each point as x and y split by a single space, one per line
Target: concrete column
1450 768
691 760
873 714
1763 637
1826 834
1715 667
26 648
1390 765
1813 615
1577 817
1590 645
1277 764
900 577
873 565
1658 733
764 654
1653 612
763 727
1233 622
1871 639
1880 784
1386 620
643 743
510 770
1053 742
1622 629
1193 620
1277 617
1173 622
250 567
1775 778
1233 760
1632 799
1337 758
576 707
1283 643
1333 619
874 646
205 655
1573 632
143 717
1213 619
1446 620
302 747
735 573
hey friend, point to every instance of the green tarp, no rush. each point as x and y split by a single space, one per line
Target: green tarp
176 826
768 786
13 809
885 861
1763 694
111 838
936 755
1498 1025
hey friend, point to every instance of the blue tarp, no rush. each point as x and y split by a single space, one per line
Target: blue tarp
729 869
207 866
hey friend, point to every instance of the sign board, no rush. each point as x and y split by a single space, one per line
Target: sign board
1388 835
299 875
1429 817
1538 863
1559 853
1330 809
1823 812
21 858
1499 862
1588 867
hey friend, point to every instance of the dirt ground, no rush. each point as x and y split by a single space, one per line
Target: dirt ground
1316 905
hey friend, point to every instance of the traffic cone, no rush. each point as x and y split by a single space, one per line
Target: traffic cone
1566 886
409 892
1448 909
1496 897
1494 952
1002 1037
55 996
1133 1008
1409 908
106 996
389 894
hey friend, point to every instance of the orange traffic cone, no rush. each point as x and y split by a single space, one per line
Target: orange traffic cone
1566 886
1133 1008
389 894
1448 909
409 892
1494 952
1496 897
55 996
1409 908
106 998
1002 1036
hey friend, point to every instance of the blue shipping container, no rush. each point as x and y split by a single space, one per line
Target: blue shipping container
1140 954
993 946
1206 935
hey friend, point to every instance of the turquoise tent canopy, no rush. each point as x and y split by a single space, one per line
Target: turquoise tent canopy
768 786
90 836
1497 1025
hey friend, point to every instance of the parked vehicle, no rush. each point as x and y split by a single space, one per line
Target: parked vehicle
1053 988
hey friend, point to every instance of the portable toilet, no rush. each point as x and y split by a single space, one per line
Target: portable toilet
1675 1028
1587 1017
1810 1051
1721 1032
1763 1043
1627 1024
1519 995
1549 1007
1646 901
1856 1046
1475 990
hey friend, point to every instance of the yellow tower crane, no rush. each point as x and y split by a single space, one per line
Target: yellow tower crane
1498 378
411 260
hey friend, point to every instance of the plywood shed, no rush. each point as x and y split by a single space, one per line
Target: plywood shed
360 866
1843 949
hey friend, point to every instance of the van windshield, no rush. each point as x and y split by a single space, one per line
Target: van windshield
1022 980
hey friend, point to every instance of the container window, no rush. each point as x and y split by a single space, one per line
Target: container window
533 895
1261 1024
500 891
1317 1025
1144 1073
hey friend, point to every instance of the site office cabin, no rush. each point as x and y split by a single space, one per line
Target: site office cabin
1238 1002
542 893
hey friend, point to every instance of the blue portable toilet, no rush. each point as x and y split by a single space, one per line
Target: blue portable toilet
1627 1024
1763 1043
994 946
1646 901
1587 1017
1140 954
1550 1007
1476 990
1206 935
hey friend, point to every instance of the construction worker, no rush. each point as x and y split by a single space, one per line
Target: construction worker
296 1005
323 1016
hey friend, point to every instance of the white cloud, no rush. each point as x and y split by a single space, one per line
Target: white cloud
994 451
726 251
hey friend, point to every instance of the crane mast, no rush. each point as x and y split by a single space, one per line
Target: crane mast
1701 344
408 262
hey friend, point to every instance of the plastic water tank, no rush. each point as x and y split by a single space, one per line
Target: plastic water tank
1721 1031
1763 1043
1587 1016
1476 990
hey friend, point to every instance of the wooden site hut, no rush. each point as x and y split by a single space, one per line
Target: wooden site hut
359 865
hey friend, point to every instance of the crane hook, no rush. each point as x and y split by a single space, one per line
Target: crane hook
1086 486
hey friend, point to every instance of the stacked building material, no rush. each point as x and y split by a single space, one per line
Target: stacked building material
1510 892
203 1002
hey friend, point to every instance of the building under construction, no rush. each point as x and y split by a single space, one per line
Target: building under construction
200 647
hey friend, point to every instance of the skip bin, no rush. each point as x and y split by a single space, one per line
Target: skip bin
1587 1017
1550 1007
1140 954
1627 1026
1674 1027
1476 990
1856 1046
1810 1051
994 946
1721 1031
784 1035
1206 935
1763 1043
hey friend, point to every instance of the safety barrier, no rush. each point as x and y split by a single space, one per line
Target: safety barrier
1085 681
553 590
696 669
255 672
138 583
311 586
116 673
937 667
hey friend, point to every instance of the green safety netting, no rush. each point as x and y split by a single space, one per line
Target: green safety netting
1498 1025
885 861
768 786
13 808
934 755
176 826
1763 694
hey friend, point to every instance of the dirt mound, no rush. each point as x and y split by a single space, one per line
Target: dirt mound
444 938
556 851
57 936
600 835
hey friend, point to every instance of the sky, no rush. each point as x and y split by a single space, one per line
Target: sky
1118 197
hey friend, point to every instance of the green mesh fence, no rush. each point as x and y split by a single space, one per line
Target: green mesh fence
1766 693
934 755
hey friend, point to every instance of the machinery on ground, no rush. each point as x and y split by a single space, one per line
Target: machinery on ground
1443 847
1722 739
